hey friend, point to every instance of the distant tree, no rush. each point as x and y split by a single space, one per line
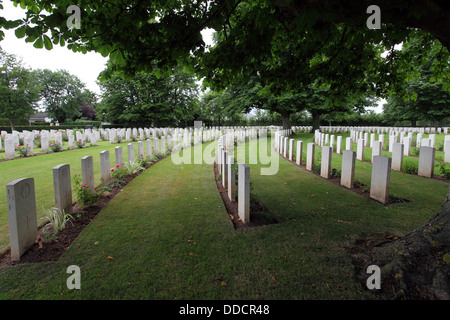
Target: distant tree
149 98
19 92
424 96
62 93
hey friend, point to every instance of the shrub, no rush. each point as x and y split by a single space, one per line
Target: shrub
133 167
23 150
335 173
415 151
85 196
55 146
444 171
80 143
118 174
57 219
410 166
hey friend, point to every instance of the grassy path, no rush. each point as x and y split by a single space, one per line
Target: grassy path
167 235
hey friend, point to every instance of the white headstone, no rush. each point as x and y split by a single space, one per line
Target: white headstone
426 161
397 156
87 171
105 167
348 168
62 188
325 164
310 156
299 152
381 176
21 215
244 192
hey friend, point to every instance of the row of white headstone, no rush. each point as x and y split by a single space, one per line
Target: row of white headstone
381 165
225 161
364 140
373 129
169 136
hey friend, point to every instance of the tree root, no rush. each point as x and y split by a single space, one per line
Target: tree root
416 266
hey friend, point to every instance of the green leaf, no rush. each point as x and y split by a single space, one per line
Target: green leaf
30 39
39 44
48 43
20 32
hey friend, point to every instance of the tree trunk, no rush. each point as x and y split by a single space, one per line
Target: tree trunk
286 120
315 121
12 125
416 266
413 123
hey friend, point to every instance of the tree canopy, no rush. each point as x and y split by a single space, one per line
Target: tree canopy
19 92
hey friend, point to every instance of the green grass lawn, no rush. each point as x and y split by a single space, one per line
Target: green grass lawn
167 235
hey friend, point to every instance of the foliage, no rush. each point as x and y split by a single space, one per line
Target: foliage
425 93
23 150
149 100
410 166
55 146
62 93
133 167
85 196
80 143
118 174
443 169
57 219
19 92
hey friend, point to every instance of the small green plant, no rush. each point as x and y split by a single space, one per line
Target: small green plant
415 151
316 168
57 220
410 166
133 167
85 196
37 140
55 146
361 186
444 171
80 143
23 150
118 175
118 139
335 173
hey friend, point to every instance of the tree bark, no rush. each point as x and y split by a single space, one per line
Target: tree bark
315 121
286 120
417 265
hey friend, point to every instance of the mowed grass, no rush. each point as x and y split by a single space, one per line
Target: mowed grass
40 167
167 235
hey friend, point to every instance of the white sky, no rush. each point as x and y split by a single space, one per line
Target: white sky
85 66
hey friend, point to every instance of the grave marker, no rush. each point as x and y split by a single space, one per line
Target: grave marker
348 168
87 171
244 192
381 176
426 161
62 188
21 215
